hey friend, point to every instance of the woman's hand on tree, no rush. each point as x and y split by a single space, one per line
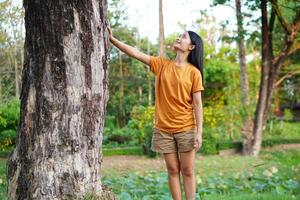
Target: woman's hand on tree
110 33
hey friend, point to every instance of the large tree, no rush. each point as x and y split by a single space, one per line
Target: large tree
63 100
271 63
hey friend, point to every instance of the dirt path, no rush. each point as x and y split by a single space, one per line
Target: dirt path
117 165
124 164
279 147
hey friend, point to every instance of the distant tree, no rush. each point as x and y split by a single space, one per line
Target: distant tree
162 50
244 83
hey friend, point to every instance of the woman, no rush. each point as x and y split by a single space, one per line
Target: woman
177 132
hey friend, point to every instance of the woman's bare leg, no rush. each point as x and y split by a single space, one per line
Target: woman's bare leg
187 161
173 167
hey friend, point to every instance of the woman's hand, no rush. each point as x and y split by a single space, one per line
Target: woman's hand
127 49
198 141
110 33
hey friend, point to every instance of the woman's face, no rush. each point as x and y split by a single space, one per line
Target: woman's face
183 43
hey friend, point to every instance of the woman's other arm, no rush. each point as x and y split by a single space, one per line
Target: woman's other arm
129 50
198 111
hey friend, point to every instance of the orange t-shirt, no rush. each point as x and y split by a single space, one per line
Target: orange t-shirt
174 88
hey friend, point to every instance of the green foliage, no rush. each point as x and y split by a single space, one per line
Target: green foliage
288 158
143 121
262 177
9 114
122 151
288 115
90 196
3 180
7 138
243 196
281 130
154 185
229 145
9 119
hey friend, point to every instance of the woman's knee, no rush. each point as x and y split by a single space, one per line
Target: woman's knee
173 170
187 171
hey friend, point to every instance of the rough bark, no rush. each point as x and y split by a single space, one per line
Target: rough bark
63 100
161 31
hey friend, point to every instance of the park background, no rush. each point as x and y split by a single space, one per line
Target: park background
224 169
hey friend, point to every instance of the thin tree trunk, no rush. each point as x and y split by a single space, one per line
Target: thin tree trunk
161 31
242 55
261 106
121 100
247 124
140 89
149 78
63 100
17 92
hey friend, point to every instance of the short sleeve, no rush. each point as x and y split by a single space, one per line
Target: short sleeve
156 64
197 82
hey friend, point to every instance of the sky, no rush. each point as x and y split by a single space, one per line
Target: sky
144 15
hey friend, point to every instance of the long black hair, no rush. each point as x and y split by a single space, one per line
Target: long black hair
196 55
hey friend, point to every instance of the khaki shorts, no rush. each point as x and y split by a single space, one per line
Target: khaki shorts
164 142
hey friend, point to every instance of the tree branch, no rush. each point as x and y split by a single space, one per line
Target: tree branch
291 33
295 49
288 75
287 28
296 23
279 58
272 21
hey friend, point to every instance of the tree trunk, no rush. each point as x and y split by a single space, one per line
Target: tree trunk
149 78
140 93
161 31
63 100
261 107
247 124
242 55
271 66
122 122
17 92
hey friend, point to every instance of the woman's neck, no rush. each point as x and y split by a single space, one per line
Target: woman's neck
181 59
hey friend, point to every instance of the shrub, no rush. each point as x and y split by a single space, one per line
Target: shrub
142 121
7 138
9 119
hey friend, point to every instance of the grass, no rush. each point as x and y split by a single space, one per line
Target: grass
3 182
212 168
249 197
123 151
282 130
218 177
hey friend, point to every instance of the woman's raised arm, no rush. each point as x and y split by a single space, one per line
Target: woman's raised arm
129 50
